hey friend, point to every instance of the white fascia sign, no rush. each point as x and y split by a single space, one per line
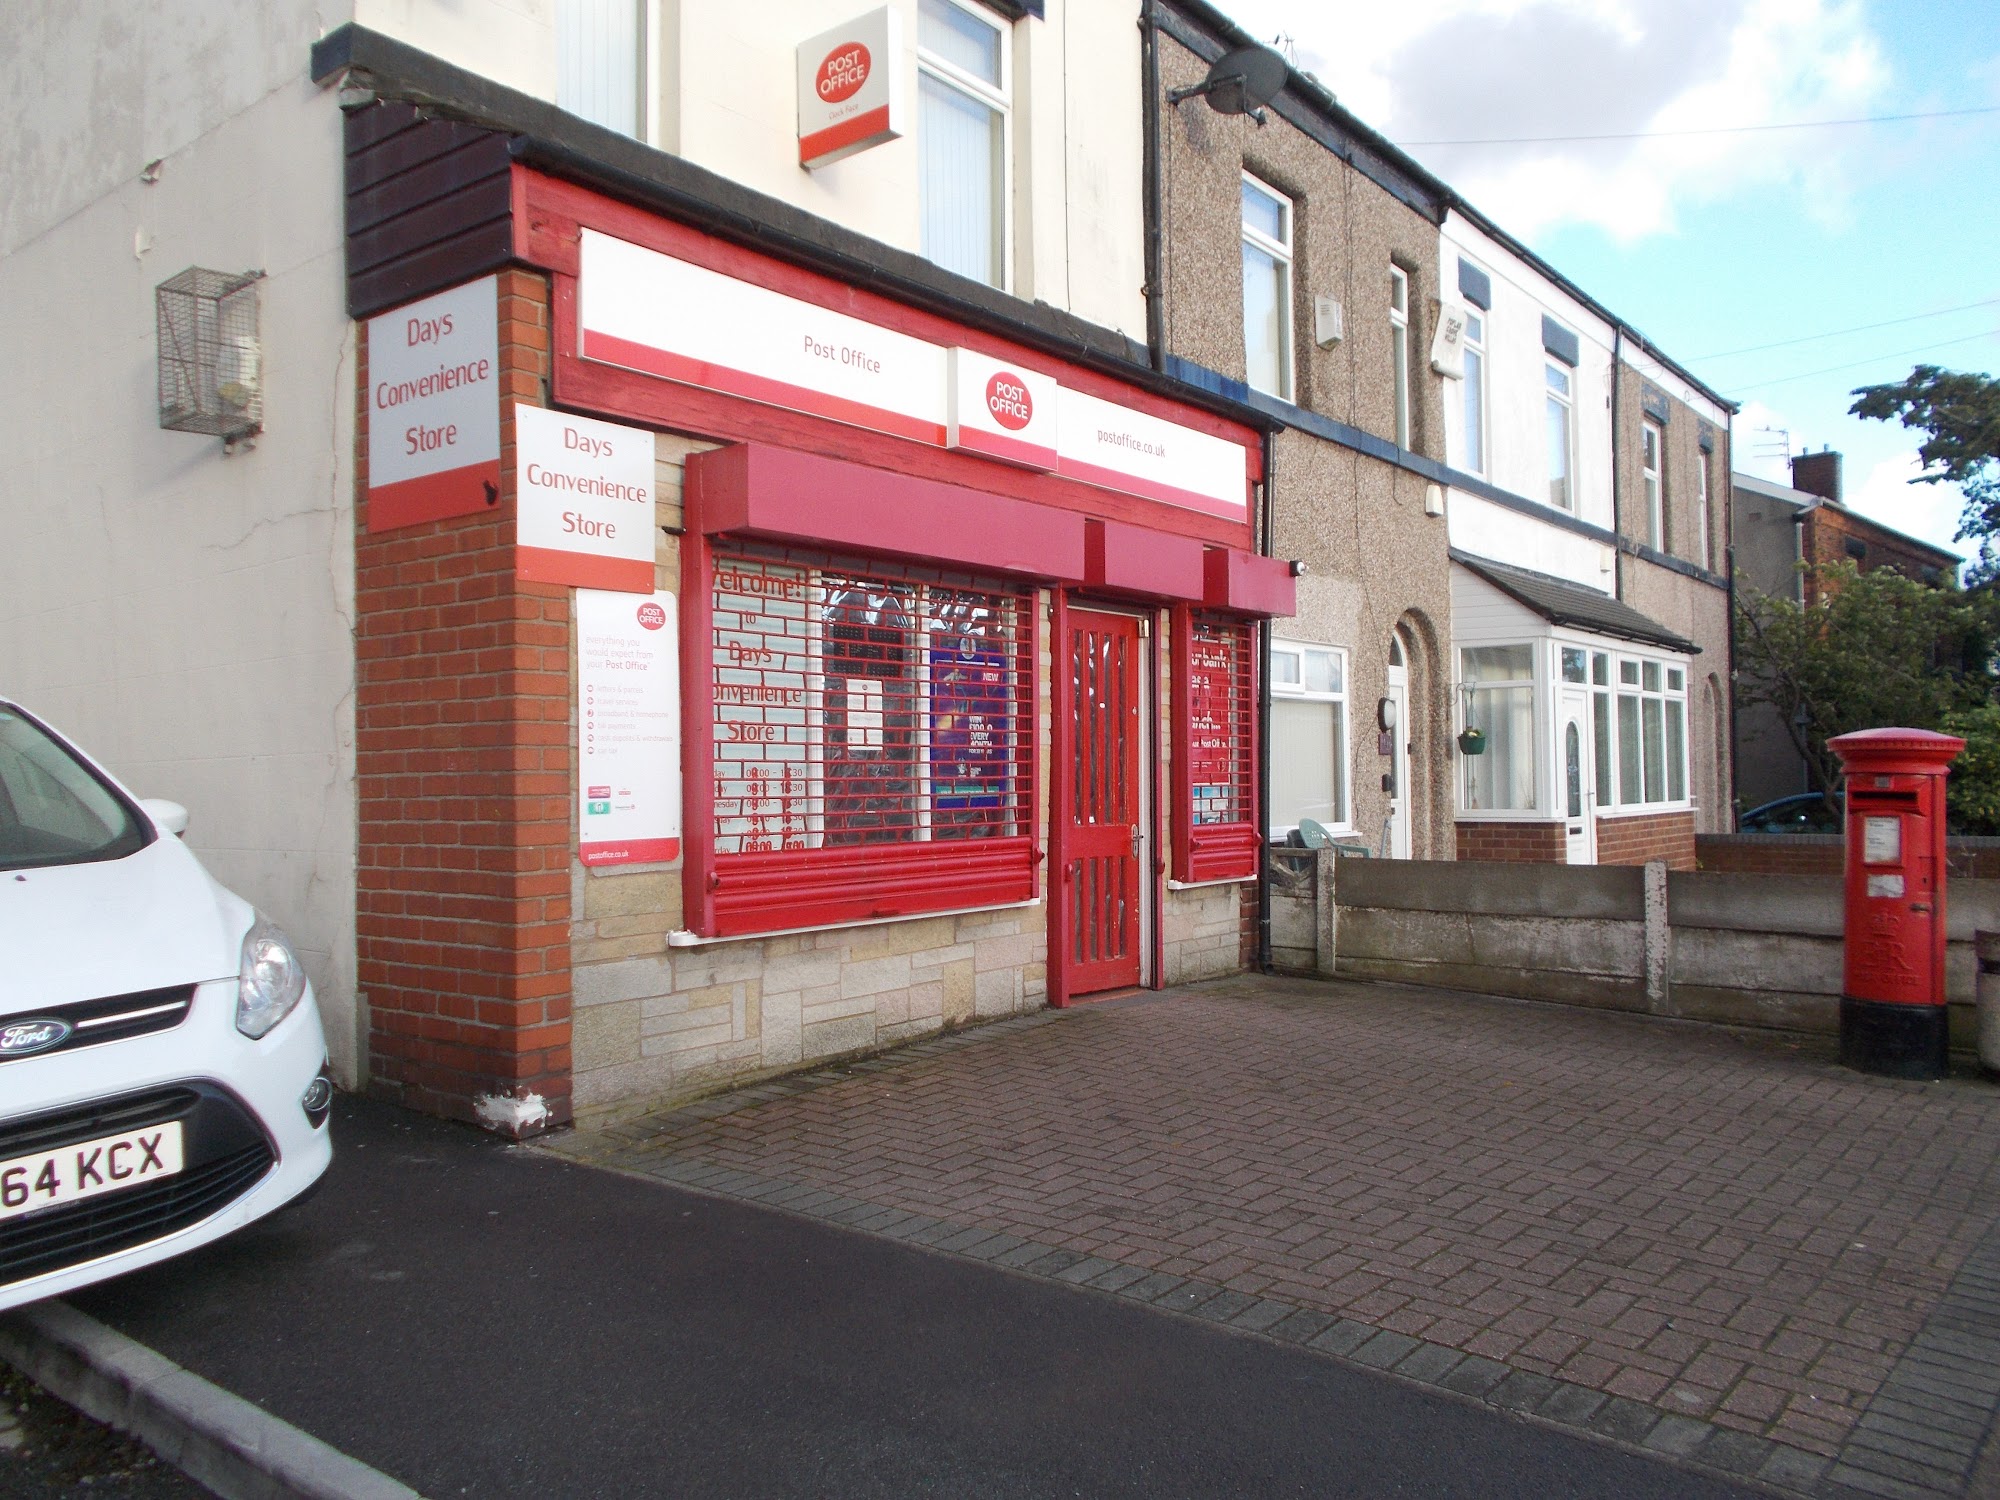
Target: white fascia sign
1117 448
583 500
849 91
434 407
1000 410
628 729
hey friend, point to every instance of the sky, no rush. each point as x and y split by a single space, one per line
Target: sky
1783 267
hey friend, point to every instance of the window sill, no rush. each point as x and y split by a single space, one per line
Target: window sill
683 938
1202 885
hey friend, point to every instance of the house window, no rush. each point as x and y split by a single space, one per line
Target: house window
599 67
1267 288
1399 349
1499 694
1308 736
1652 443
1651 738
1703 521
1475 393
1561 435
962 135
1600 719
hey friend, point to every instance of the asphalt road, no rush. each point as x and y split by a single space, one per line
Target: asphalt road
483 1320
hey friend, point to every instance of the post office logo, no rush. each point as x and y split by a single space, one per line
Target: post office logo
651 616
35 1034
843 72
1008 400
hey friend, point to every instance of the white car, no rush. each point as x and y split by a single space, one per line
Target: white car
163 1075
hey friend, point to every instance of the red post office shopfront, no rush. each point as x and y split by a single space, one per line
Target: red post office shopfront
756 666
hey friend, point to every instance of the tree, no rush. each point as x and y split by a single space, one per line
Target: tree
1878 649
1961 414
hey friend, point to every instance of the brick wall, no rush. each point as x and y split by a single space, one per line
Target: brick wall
1634 841
1513 843
462 756
1822 854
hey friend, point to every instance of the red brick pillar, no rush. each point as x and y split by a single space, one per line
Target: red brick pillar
462 751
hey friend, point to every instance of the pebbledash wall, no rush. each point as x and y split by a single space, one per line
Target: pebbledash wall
508 981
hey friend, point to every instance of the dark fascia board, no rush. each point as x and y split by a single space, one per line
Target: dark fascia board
1323 118
1654 633
1305 420
540 135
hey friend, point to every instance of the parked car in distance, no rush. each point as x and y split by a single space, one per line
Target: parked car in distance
1803 812
163 1074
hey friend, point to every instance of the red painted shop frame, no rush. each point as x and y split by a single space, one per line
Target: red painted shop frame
1213 851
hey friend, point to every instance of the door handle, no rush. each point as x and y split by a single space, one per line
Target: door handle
1135 841
1920 906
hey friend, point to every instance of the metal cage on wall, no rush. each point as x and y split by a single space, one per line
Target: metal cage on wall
209 356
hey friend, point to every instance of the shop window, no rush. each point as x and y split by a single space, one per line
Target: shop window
1267 288
1215 713
1309 746
600 71
1499 701
873 735
963 119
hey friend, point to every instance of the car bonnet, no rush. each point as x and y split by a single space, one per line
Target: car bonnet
114 927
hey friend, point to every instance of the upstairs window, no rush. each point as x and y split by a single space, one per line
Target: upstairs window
1560 407
1652 445
1267 288
1702 520
599 68
1399 350
1474 458
962 139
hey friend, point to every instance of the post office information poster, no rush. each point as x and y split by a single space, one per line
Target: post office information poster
628 728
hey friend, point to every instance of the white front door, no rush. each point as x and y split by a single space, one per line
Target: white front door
1396 833
1575 789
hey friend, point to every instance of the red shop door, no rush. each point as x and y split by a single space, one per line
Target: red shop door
1102 846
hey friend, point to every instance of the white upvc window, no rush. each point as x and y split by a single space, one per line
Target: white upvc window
1652 473
601 54
1473 460
1308 736
1560 408
1267 288
1640 707
1497 694
1399 349
964 130
1703 521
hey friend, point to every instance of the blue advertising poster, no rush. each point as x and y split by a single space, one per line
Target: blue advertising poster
970 750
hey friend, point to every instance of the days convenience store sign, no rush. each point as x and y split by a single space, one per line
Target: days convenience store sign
643 310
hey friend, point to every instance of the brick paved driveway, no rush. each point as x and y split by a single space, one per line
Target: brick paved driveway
1781 1267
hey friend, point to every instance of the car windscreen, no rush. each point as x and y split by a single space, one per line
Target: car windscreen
55 810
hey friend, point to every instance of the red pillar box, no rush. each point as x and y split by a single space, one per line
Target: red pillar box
1892 1007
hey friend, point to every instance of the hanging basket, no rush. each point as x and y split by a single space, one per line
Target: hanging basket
1472 742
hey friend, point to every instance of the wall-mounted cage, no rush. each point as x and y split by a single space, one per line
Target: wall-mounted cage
210 360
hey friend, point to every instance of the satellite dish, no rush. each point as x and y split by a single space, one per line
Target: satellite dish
1240 82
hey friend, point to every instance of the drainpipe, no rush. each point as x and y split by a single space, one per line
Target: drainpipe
1264 721
1149 61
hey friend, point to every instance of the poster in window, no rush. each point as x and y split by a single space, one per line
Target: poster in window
628 729
970 689
766 775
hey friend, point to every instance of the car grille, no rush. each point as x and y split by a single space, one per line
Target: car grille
113 1018
225 1151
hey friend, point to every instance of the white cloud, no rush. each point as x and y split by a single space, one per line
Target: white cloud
1928 511
1446 70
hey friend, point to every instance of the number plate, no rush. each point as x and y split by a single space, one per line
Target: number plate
49 1178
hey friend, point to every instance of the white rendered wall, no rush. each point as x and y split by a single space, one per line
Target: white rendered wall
1485 529
726 99
1517 452
186 615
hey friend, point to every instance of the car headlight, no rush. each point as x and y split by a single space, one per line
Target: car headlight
272 980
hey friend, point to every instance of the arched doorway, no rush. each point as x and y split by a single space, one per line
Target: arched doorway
1394 724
